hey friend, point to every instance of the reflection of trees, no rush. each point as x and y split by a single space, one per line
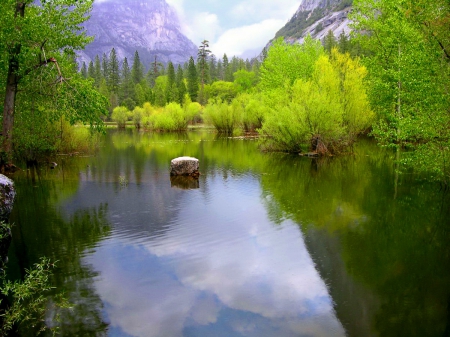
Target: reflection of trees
392 254
40 229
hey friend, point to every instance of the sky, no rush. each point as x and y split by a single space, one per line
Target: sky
240 28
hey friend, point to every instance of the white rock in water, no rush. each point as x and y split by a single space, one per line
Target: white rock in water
7 195
184 166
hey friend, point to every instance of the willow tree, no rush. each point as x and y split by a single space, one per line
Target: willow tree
38 41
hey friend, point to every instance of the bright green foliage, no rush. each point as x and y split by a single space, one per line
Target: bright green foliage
225 117
171 118
160 90
120 116
192 110
289 62
253 111
137 115
324 113
244 80
409 46
221 90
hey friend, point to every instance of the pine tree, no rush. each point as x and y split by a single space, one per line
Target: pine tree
212 68
329 41
226 68
170 88
83 70
105 70
91 70
181 86
127 85
137 70
97 72
113 79
192 80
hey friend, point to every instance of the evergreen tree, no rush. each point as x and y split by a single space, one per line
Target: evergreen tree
113 79
181 86
220 70
343 43
203 53
105 70
97 71
91 70
329 41
127 85
83 70
192 80
227 70
171 89
137 70
212 68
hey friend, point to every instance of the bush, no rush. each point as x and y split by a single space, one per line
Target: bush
325 112
225 118
120 116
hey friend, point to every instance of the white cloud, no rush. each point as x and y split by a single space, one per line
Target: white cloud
203 26
263 10
235 41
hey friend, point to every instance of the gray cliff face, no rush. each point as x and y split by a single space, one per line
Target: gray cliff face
150 27
316 18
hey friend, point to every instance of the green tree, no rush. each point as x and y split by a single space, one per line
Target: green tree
192 80
329 41
84 71
33 35
137 69
244 80
203 53
287 63
227 74
126 83
97 71
113 79
181 85
171 88
408 47
91 71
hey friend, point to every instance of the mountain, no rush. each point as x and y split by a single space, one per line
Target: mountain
150 27
317 17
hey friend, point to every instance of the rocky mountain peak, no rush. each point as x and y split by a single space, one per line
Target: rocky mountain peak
150 27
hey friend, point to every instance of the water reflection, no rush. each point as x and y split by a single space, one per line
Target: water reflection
264 245
219 269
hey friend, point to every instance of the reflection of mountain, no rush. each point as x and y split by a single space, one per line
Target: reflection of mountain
355 305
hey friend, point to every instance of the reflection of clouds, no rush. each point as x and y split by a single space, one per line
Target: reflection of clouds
221 267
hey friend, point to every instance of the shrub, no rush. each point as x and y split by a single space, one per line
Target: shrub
120 116
225 118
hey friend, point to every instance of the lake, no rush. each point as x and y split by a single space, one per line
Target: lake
263 244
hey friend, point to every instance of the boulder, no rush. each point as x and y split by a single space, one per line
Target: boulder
184 166
7 195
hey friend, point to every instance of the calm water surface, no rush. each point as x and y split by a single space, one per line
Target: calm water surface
261 245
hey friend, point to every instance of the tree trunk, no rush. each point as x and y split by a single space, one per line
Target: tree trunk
12 82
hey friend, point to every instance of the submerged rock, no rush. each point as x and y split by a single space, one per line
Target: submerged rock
184 166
